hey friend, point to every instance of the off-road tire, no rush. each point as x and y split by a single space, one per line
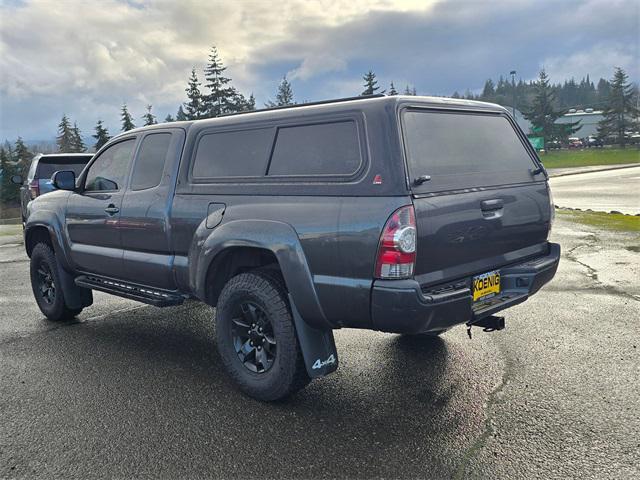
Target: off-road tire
53 307
287 374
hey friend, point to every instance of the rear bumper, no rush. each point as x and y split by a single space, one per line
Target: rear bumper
401 306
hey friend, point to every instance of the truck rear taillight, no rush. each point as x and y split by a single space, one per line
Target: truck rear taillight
397 249
34 189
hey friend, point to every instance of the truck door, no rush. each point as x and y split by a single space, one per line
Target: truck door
94 211
144 216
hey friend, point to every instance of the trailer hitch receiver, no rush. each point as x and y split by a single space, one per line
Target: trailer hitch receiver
488 324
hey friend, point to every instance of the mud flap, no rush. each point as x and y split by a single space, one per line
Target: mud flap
318 347
74 296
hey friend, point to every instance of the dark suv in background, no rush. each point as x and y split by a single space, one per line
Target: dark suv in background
42 167
401 214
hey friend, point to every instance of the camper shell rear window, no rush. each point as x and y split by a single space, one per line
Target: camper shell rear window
460 150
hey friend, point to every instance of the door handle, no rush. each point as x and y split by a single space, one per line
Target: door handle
488 205
112 209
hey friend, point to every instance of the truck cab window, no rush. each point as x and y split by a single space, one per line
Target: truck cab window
147 171
110 169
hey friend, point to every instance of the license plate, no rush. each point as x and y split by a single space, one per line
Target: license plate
485 285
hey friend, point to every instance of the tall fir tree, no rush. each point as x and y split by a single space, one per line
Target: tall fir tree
77 144
149 118
543 114
101 135
489 91
370 84
251 102
602 91
64 140
22 157
620 113
127 119
409 91
284 95
392 90
220 98
240 103
9 193
194 108
169 118
180 115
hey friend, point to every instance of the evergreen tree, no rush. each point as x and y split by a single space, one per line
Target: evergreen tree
542 114
621 112
64 140
101 135
180 115
77 144
194 108
22 157
410 91
456 95
370 84
489 91
392 90
251 103
221 96
602 91
127 120
169 119
149 118
240 103
9 193
284 95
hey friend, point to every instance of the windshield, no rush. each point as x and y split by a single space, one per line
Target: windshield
464 150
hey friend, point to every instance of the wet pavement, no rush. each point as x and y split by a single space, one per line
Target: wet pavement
131 390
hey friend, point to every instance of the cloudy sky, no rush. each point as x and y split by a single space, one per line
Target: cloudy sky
85 58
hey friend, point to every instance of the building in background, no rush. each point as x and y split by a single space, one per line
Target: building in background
589 119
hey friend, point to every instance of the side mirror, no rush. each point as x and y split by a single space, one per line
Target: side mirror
17 179
64 180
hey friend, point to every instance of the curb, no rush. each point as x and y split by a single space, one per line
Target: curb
604 169
589 210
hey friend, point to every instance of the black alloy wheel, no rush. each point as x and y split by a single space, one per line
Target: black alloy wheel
46 283
253 338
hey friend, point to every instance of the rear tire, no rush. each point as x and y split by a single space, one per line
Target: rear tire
256 337
46 285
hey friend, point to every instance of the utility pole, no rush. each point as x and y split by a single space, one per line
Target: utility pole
513 83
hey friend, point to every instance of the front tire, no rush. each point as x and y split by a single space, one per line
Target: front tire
256 337
46 285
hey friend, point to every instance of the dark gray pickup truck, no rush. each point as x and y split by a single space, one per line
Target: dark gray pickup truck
401 214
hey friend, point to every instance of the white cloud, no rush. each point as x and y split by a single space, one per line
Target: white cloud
598 61
317 64
87 58
110 51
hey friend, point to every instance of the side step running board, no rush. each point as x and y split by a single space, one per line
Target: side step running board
157 298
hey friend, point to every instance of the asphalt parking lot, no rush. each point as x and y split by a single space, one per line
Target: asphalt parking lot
130 390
